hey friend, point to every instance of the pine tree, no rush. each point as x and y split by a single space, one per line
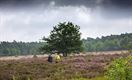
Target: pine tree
64 38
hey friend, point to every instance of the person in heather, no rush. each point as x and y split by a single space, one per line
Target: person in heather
50 58
57 58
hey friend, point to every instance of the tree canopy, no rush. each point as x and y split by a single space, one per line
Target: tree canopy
19 48
64 38
109 43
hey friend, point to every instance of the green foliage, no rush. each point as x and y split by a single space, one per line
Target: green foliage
96 78
64 38
79 79
120 69
109 43
19 48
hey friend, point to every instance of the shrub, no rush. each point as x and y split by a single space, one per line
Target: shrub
120 69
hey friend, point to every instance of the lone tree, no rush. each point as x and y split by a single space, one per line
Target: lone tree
64 38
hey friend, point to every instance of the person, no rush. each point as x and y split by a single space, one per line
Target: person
50 58
57 58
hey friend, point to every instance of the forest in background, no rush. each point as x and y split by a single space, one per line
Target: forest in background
19 48
107 43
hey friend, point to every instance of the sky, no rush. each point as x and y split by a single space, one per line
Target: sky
30 20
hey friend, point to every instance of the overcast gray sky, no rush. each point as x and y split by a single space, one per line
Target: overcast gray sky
30 20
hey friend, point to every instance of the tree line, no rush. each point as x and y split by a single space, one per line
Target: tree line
107 43
19 48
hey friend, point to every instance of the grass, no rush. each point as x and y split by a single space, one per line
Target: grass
96 78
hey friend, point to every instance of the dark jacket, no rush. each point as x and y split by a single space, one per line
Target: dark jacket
50 58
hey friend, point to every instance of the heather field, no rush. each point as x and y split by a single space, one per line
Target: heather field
79 67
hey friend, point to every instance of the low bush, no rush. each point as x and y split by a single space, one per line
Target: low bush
120 69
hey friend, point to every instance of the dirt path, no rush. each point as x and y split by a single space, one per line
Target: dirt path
20 57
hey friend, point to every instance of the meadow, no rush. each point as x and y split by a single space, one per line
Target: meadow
77 67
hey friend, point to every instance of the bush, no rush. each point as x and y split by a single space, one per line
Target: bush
120 69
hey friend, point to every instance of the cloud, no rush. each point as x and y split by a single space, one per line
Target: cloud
109 8
31 23
89 3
